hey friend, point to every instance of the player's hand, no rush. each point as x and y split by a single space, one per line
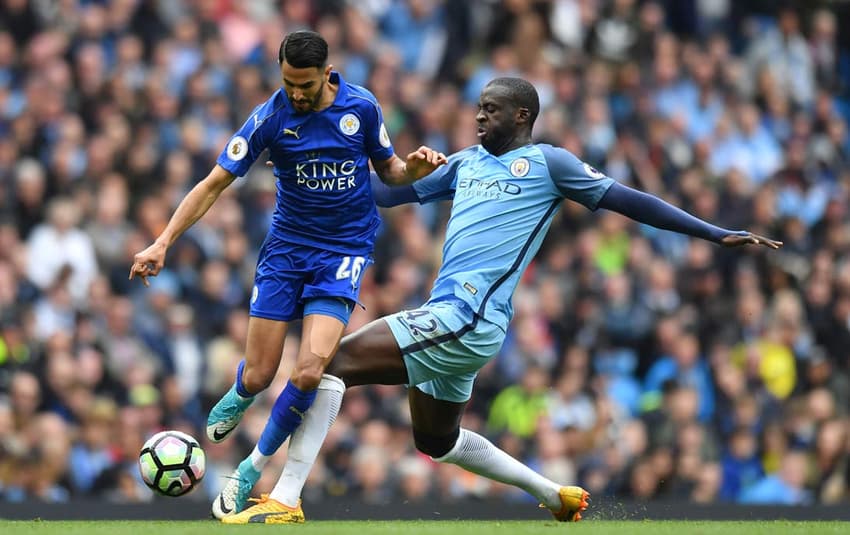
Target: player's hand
149 262
423 161
748 238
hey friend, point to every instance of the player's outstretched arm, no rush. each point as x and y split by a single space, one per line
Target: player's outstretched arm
420 163
196 203
651 210
389 196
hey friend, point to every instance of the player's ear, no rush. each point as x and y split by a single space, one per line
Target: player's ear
328 70
522 115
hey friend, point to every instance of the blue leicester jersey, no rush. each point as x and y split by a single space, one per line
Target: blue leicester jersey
321 161
502 208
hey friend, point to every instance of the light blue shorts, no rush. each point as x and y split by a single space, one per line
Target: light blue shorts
444 344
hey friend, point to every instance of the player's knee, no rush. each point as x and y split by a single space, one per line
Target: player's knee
435 446
307 376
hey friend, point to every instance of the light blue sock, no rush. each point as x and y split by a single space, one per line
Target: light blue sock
286 416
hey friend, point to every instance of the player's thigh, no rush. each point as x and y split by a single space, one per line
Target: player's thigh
445 342
264 345
455 388
320 336
432 416
370 355
283 270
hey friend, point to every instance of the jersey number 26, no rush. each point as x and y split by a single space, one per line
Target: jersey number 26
350 267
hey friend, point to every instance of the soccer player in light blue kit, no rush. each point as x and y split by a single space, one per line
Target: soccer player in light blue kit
505 192
321 134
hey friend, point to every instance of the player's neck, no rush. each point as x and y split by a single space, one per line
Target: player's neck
328 97
520 140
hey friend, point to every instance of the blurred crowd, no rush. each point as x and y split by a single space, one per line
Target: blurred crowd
640 364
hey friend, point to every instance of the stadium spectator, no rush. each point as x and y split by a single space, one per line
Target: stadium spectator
785 487
517 409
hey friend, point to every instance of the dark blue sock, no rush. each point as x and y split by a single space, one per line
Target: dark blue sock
287 413
240 388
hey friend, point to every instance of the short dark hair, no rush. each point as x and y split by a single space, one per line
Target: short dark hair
303 49
522 93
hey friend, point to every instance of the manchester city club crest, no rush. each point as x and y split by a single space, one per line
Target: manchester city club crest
520 167
349 124
237 148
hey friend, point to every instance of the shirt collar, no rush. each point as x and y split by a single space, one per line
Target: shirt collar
342 92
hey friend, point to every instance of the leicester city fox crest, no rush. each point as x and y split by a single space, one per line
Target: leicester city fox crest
349 124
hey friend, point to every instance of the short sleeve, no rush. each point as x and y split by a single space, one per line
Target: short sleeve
440 185
378 144
575 179
247 144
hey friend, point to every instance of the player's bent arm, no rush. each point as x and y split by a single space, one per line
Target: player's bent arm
195 204
651 210
393 171
388 196
420 163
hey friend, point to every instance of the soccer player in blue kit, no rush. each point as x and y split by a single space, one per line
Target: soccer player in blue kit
505 192
321 134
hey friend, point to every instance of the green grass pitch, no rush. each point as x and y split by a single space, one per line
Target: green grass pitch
444 527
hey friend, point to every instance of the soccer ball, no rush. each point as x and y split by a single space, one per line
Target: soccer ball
172 463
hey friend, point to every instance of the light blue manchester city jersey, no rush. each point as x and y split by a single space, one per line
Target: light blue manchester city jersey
502 208
321 161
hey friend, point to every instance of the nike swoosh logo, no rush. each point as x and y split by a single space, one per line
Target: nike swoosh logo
219 436
296 411
224 509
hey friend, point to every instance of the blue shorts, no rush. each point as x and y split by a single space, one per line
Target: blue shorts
294 280
444 344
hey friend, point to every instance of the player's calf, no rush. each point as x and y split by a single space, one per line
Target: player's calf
475 453
435 446
287 413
